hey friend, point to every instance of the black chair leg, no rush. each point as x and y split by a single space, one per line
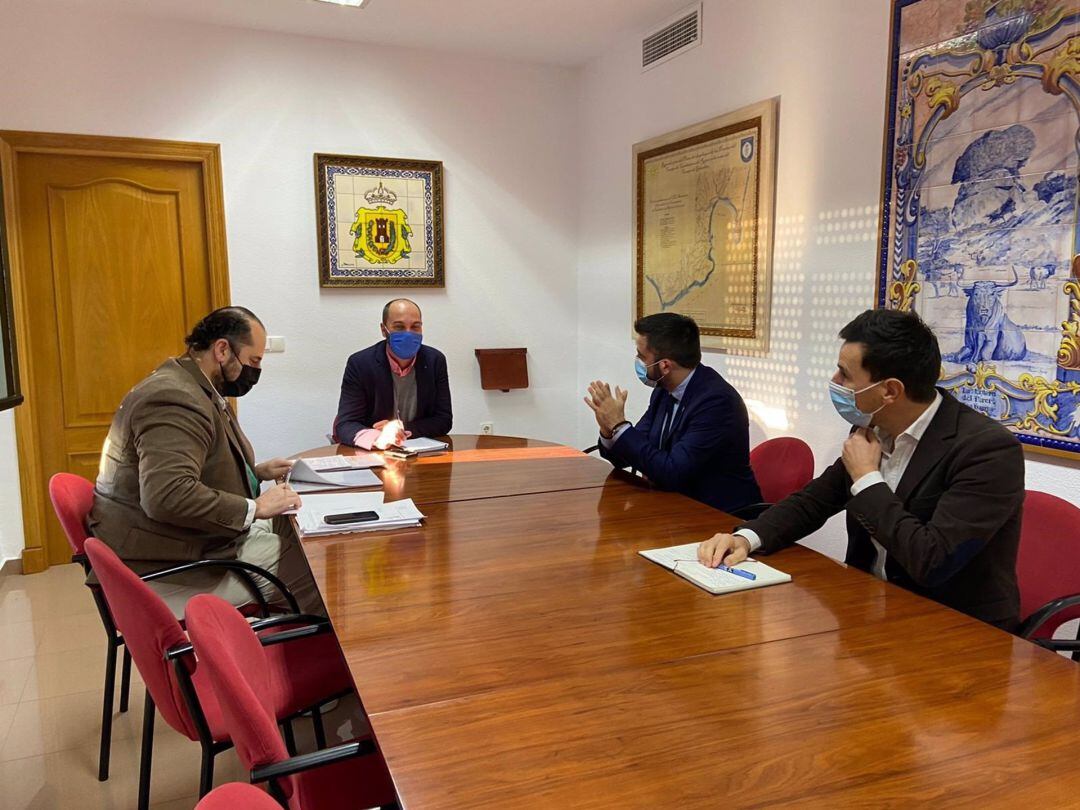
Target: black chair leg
125 680
320 729
147 752
206 775
107 710
290 738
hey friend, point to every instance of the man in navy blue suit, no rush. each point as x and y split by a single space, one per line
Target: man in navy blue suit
695 436
396 388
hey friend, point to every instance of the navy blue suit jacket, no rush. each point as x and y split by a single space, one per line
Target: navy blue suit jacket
367 394
707 453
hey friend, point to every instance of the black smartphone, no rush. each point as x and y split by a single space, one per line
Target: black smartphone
350 517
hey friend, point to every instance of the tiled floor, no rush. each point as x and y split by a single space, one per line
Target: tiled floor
52 665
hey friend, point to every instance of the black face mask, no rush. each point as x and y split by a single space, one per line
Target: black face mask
244 382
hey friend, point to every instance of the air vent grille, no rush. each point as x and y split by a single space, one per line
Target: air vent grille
682 33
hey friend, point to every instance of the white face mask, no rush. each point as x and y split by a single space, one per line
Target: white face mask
843 399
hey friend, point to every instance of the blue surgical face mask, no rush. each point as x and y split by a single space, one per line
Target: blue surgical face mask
643 372
843 399
405 344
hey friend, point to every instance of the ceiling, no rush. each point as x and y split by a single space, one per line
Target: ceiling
559 32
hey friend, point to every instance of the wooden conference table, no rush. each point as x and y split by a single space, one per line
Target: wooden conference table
517 652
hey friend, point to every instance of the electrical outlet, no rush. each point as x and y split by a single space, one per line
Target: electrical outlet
275 344
487 428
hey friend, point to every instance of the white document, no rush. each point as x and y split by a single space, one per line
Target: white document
306 477
683 561
360 461
315 508
424 445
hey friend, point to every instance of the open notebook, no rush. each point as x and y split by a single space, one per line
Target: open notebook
714 580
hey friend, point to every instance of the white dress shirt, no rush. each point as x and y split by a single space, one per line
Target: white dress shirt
895 457
677 395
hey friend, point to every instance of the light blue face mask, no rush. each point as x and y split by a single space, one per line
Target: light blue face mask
843 399
405 344
643 372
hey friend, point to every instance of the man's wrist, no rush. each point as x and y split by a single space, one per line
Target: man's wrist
614 428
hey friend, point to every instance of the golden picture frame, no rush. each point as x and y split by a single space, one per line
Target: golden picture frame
379 221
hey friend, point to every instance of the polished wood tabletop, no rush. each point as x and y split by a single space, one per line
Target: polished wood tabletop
516 651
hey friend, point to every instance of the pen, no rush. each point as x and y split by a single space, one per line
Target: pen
288 475
737 571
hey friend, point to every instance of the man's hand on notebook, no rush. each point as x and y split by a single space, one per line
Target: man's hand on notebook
273 470
728 549
276 501
393 434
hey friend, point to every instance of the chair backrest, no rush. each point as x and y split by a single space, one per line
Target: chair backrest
149 629
237 796
1048 562
234 661
782 466
72 498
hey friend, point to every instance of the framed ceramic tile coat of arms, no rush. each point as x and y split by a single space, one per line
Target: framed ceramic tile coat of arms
380 221
979 229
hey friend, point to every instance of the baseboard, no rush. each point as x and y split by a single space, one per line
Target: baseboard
10 567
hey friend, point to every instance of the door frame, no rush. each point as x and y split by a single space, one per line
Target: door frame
35 501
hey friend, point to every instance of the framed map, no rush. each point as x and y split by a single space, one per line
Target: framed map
380 222
703 221
979 213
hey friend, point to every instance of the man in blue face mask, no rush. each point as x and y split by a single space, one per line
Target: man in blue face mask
695 436
932 488
397 388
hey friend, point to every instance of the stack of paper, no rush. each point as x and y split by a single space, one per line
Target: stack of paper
424 445
335 472
394 515
683 561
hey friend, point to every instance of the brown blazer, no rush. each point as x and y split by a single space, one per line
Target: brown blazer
951 529
173 484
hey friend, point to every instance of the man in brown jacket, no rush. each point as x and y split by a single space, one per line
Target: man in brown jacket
178 479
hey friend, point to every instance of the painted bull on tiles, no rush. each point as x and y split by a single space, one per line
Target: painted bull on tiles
988 332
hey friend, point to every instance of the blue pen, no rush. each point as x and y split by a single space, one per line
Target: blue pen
737 571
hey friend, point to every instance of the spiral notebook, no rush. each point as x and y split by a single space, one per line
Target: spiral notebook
682 560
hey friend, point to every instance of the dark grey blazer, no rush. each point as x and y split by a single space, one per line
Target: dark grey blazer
951 529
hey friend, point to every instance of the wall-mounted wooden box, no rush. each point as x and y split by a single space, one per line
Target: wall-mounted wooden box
502 369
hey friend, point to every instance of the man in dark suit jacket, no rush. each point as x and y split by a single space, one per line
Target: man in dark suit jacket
695 436
933 489
396 388
178 479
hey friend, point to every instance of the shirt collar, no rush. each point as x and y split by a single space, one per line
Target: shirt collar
396 367
680 389
917 428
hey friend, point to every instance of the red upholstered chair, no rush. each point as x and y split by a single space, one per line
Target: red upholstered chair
300 676
72 497
346 776
237 796
781 466
1048 570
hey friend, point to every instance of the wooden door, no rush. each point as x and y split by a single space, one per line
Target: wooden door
117 249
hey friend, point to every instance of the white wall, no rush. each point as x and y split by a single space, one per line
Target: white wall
538 182
827 61
504 132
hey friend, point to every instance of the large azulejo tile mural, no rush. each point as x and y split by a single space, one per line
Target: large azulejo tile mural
979 228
